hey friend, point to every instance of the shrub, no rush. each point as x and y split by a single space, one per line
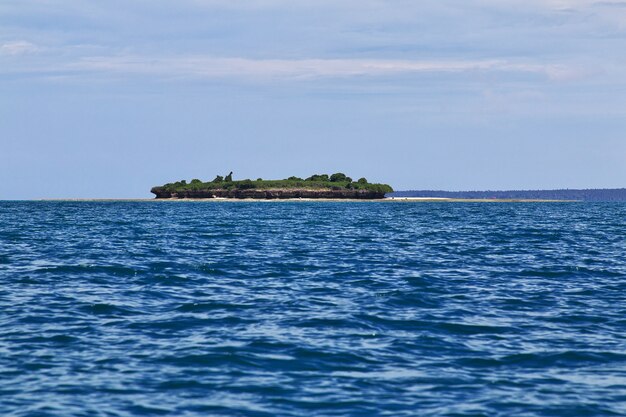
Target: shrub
245 185
362 180
218 178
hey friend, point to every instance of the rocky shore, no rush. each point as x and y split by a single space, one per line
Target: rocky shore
268 194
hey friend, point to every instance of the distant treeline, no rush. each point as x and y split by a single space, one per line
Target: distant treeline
337 181
613 194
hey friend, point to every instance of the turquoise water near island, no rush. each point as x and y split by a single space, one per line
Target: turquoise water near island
312 309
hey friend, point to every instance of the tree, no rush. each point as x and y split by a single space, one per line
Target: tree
218 178
337 177
318 177
294 179
196 181
362 180
229 177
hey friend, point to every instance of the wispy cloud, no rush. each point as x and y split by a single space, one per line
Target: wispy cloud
18 48
210 67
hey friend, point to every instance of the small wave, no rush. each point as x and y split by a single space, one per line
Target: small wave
313 309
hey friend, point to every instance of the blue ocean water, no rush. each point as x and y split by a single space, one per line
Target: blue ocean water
312 309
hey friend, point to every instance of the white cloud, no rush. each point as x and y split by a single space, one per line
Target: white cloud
17 48
207 67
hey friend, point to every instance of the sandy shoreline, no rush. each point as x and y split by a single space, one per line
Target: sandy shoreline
385 200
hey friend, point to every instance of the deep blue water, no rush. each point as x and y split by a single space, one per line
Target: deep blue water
312 309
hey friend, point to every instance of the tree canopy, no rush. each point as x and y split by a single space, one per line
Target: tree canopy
336 181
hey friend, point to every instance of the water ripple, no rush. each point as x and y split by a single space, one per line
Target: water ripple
321 309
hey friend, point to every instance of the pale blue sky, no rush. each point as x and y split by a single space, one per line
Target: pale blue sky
108 98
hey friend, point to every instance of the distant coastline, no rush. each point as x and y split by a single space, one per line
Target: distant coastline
287 200
594 194
424 196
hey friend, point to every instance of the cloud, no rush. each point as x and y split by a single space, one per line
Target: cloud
210 67
299 39
18 48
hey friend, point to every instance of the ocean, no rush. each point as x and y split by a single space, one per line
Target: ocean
312 309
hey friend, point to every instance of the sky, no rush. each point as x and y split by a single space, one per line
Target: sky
105 99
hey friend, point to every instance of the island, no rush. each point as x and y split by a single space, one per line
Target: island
319 186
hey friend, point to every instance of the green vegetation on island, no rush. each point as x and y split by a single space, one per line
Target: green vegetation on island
336 184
